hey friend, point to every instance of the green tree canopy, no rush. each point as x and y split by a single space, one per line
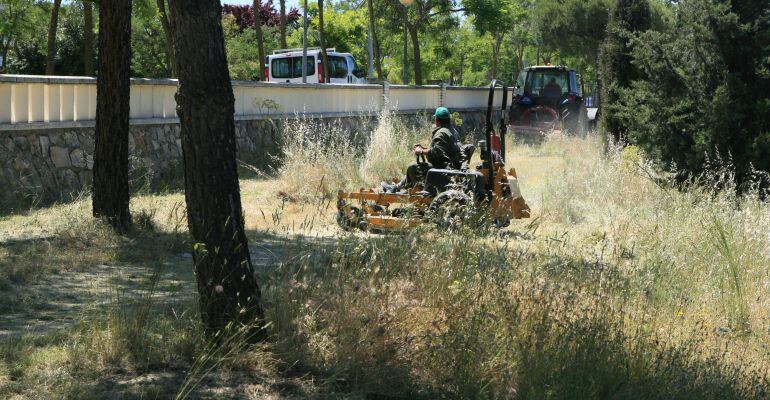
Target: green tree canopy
705 99
571 27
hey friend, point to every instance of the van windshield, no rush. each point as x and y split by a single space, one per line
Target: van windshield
291 67
338 67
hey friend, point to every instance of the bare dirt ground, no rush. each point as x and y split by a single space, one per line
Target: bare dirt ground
55 301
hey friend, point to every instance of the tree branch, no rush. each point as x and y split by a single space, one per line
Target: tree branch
450 10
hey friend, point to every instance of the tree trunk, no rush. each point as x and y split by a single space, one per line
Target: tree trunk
88 38
282 24
110 191
462 69
416 50
519 62
4 54
377 53
49 59
205 105
167 31
260 40
375 43
496 56
324 59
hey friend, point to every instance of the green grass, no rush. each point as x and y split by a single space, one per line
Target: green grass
620 286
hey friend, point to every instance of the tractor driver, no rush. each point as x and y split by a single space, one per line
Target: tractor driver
552 91
445 152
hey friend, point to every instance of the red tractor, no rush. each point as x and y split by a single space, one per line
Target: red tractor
548 99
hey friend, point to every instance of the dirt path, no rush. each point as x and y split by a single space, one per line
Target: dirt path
56 301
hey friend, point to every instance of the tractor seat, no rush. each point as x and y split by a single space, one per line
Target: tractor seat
439 180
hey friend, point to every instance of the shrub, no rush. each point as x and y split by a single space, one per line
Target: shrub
704 92
615 68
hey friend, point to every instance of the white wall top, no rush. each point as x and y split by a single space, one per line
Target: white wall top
55 100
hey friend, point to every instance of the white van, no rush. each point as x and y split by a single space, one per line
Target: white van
286 66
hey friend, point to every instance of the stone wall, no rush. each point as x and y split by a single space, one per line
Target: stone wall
44 165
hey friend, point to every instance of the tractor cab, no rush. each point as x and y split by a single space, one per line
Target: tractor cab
547 99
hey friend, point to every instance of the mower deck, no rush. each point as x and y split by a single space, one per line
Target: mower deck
383 198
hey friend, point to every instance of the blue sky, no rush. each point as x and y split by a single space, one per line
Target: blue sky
289 3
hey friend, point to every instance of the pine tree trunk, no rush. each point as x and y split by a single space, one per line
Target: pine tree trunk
260 40
375 43
416 50
88 38
110 191
282 26
4 54
205 105
496 55
462 69
324 59
167 32
49 59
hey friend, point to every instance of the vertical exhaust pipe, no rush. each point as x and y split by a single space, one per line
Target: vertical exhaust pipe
490 131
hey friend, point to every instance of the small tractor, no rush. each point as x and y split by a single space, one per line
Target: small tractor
548 99
447 198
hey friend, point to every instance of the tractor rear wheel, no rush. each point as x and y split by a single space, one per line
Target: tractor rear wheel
501 223
582 122
349 217
449 209
576 122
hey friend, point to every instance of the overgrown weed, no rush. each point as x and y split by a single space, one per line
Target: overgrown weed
622 285
460 318
323 161
629 285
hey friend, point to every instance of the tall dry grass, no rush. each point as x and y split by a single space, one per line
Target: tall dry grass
321 160
699 247
625 284
622 285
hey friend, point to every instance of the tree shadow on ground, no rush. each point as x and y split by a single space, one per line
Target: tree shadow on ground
49 281
166 384
44 291
64 298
